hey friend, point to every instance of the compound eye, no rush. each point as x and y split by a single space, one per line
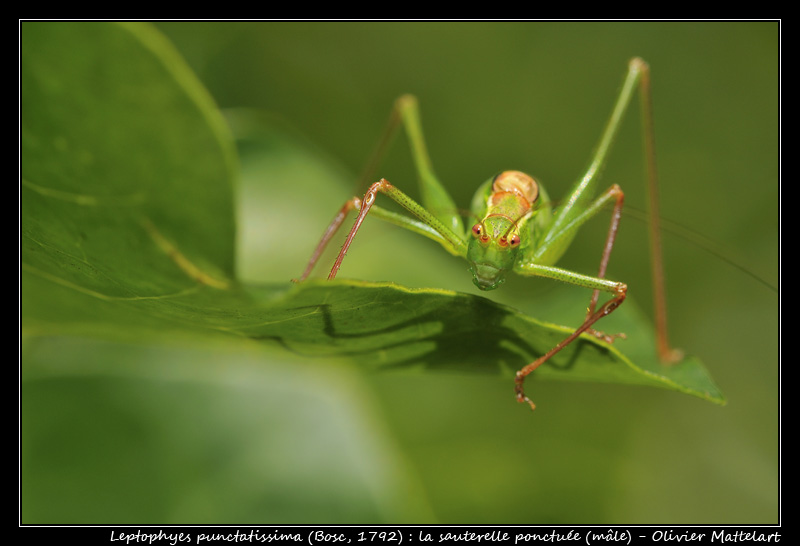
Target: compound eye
479 232
512 240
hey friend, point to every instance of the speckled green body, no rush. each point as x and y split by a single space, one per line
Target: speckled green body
514 214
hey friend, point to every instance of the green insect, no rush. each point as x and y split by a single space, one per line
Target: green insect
518 229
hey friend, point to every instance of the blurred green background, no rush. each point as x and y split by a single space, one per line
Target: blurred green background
257 435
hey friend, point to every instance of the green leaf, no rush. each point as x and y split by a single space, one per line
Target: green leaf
128 234
389 326
125 159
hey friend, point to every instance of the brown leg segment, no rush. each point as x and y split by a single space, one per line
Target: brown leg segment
605 310
352 204
616 193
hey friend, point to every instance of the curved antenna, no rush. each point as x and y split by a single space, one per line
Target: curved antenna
697 239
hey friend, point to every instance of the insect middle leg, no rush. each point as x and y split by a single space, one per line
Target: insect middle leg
437 217
618 290
615 193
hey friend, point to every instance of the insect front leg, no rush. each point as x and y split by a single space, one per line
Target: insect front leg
618 290
352 204
426 224
365 205
605 310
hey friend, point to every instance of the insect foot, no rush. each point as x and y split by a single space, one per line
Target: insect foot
518 389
